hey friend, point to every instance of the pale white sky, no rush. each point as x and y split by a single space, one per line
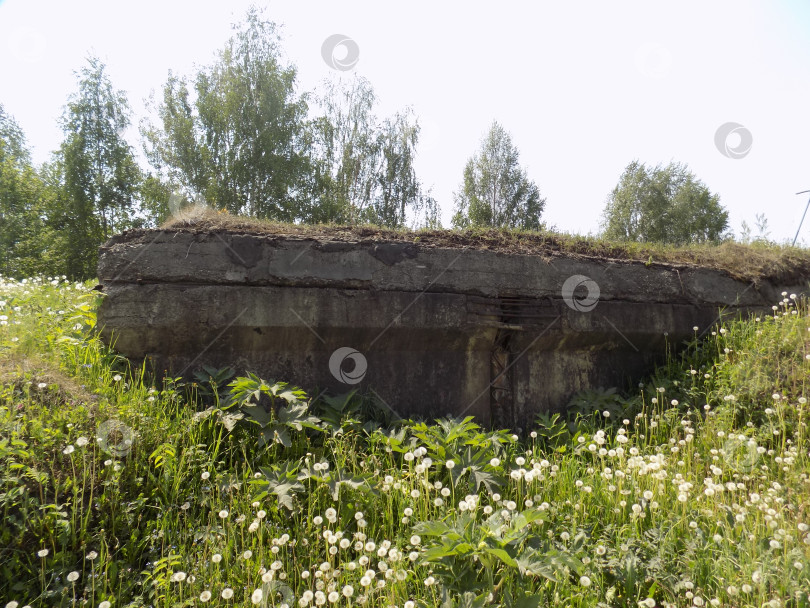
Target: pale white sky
584 87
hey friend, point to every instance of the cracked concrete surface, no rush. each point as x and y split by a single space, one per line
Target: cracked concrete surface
442 330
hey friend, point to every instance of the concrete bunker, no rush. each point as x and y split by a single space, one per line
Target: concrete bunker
431 324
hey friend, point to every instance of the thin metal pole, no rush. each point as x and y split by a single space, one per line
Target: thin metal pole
803 215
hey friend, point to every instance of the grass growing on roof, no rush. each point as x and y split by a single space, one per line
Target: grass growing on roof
751 262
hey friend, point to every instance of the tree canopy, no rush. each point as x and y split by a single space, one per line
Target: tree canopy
96 170
496 191
664 204
240 139
366 165
21 193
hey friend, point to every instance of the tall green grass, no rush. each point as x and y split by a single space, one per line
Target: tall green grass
119 491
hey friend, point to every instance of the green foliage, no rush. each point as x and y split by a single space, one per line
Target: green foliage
480 556
552 431
239 140
366 165
496 191
763 233
281 480
663 205
276 422
93 179
23 194
588 403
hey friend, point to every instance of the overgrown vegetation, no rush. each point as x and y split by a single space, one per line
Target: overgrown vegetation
237 491
751 262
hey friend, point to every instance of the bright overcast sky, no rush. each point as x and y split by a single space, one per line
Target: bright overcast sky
583 87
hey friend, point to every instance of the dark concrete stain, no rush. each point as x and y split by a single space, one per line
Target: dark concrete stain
335 246
244 250
393 253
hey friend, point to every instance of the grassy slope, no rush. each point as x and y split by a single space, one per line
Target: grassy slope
694 490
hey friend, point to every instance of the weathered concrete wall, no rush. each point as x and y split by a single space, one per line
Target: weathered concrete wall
434 331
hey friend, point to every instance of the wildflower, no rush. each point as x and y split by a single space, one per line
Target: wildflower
449 464
600 550
606 414
41 385
261 514
495 462
42 553
117 378
73 577
247 554
223 514
584 581
334 596
92 555
178 577
104 604
68 450
227 593
82 441
756 577
256 596
216 558
205 475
